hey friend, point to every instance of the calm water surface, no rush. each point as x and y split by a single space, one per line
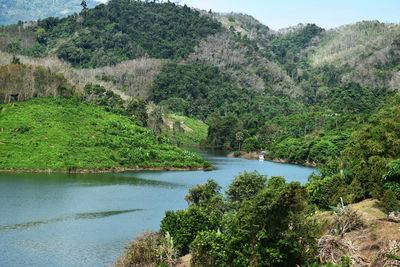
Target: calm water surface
87 220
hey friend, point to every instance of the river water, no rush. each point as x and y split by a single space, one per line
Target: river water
88 219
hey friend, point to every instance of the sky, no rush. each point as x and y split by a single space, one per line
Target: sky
278 14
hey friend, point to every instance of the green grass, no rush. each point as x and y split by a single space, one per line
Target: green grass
64 134
192 132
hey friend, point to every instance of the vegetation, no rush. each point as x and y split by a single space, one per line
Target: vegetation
304 95
151 248
66 135
190 132
31 81
122 30
268 226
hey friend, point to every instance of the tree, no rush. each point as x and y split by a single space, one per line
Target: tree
244 187
185 225
204 195
271 229
156 119
15 60
239 138
84 5
389 202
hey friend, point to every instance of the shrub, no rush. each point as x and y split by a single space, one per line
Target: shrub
251 144
244 187
208 249
389 202
184 225
346 220
237 154
149 249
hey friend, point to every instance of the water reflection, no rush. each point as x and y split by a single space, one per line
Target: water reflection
87 219
78 216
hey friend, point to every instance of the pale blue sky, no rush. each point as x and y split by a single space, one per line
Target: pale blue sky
325 13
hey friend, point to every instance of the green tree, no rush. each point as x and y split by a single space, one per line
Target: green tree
244 187
239 138
389 202
84 5
267 229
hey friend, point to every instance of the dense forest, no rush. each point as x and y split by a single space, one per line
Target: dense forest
305 95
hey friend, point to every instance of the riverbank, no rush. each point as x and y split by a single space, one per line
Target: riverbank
109 170
255 156
109 209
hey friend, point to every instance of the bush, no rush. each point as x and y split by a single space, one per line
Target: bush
237 154
391 180
184 225
251 144
346 220
389 202
244 187
150 248
208 249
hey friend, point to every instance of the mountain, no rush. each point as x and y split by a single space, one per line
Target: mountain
300 93
13 11
305 95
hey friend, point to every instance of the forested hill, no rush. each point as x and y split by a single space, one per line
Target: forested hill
301 93
119 31
12 11
304 95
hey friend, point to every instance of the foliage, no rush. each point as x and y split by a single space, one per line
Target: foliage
185 225
138 108
31 81
251 144
237 154
123 29
287 47
98 95
149 249
204 195
267 229
63 134
390 202
346 220
244 187
204 87
268 226
208 249
391 180
191 133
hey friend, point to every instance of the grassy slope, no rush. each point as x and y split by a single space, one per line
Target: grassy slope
367 245
192 133
63 134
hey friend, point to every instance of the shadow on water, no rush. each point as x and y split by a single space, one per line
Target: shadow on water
71 217
92 179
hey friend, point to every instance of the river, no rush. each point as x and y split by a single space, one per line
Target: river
88 219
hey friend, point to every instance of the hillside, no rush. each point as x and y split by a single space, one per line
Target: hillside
119 31
366 246
13 11
65 135
368 51
32 81
303 94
